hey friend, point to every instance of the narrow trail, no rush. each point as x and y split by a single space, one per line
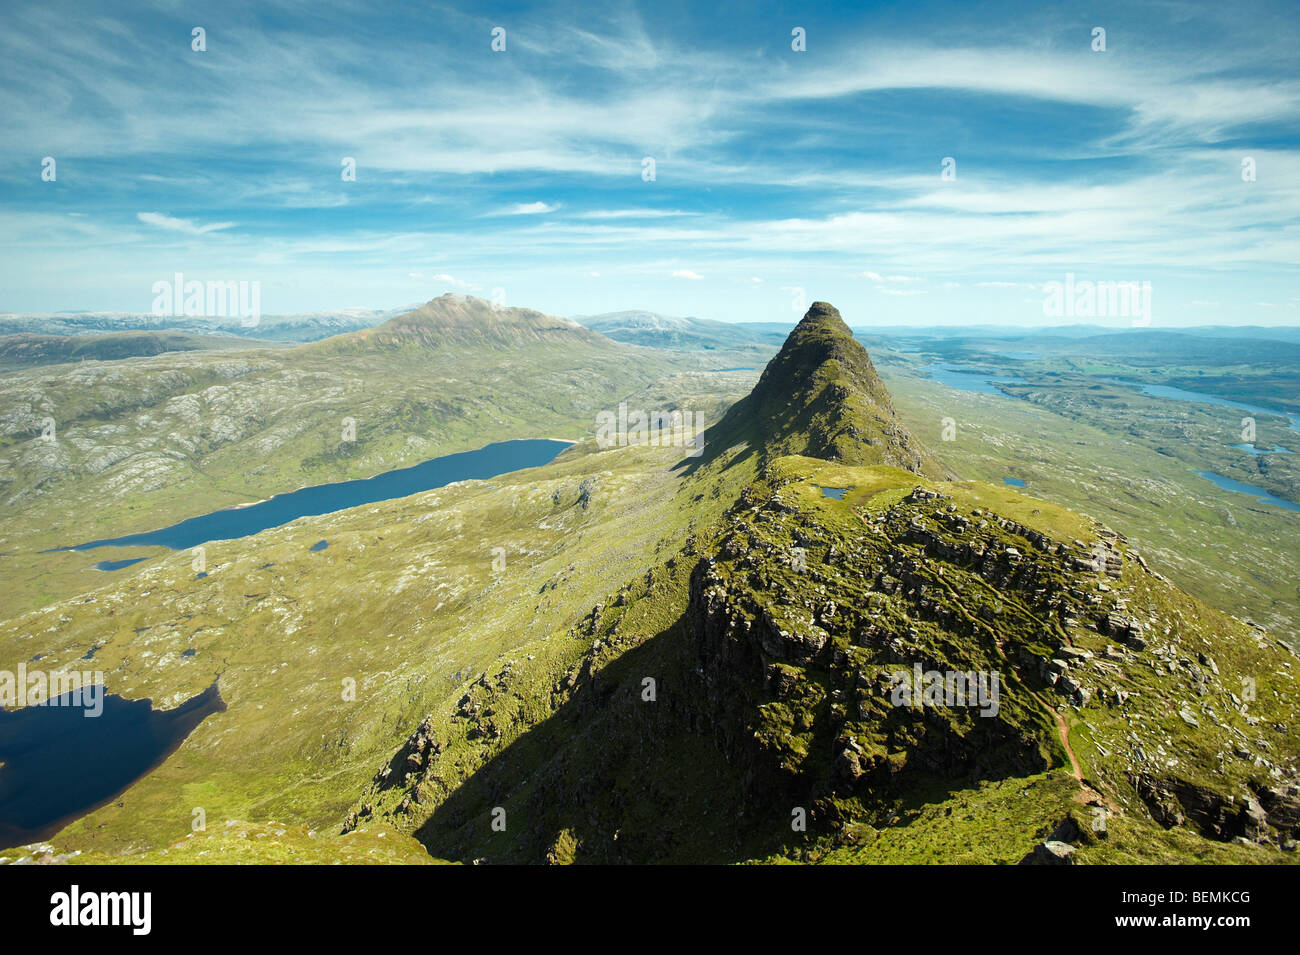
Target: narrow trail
1063 730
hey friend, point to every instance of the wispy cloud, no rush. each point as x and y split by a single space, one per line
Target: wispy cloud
527 209
796 167
175 224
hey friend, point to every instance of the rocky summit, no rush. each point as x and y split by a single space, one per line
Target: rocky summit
821 396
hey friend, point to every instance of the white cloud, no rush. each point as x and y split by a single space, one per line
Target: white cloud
174 224
527 209
686 274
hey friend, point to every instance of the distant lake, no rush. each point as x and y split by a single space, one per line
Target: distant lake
835 492
1261 495
1014 482
979 382
59 764
1251 449
233 522
1178 394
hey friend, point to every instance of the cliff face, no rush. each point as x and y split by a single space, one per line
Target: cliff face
809 634
821 397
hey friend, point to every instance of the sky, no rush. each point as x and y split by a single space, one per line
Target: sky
780 175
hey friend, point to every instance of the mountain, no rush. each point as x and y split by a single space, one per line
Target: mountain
666 331
466 321
146 441
693 660
820 396
750 683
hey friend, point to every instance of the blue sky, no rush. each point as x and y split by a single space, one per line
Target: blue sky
776 170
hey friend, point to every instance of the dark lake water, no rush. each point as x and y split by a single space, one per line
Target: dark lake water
59 764
486 462
117 564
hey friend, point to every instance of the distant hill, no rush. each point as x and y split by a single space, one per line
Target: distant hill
300 327
667 331
464 321
25 350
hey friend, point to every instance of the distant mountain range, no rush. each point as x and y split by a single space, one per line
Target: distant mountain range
26 348
669 331
632 326
298 327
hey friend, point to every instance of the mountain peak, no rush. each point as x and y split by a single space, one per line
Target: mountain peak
820 313
821 397
456 319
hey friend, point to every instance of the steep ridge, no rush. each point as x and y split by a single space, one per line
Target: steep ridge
820 396
744 698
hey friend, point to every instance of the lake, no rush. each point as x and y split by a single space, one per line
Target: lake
979 382
1179 394
1251 449
58 764
486 462
1240 487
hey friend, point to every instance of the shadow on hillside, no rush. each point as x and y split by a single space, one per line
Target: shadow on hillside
734 430
611 777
